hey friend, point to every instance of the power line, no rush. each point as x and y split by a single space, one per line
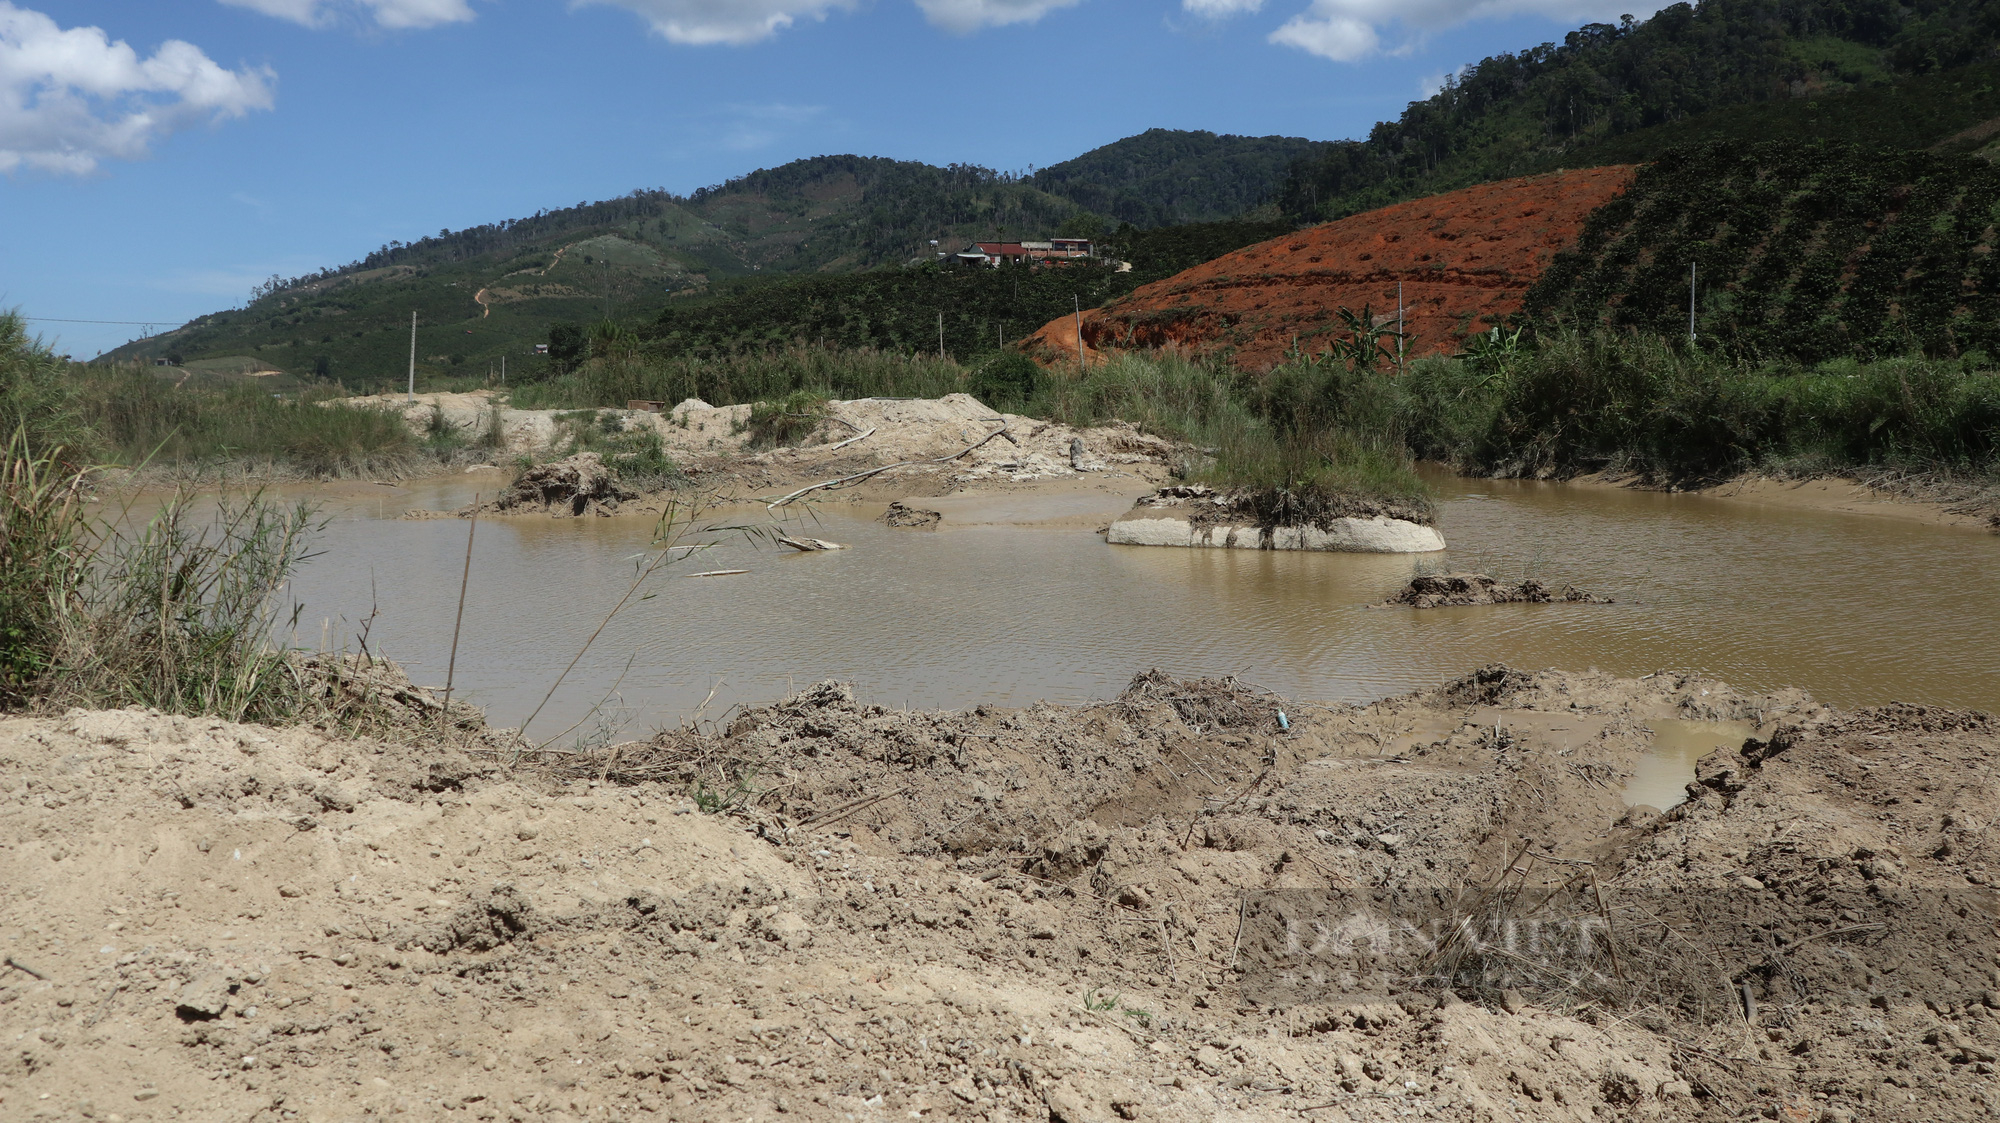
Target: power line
126 323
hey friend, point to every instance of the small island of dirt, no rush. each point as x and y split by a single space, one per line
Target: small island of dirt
1455 590
1275 519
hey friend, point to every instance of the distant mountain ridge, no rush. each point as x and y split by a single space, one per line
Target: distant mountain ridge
490 290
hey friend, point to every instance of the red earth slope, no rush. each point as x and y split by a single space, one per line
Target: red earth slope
1464 259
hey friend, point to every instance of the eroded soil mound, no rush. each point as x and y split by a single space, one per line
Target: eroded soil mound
1268 507
830 909
907 517
1463 260
1453 590
575 485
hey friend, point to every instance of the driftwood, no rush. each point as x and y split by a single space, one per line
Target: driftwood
837 445
807 545
782 500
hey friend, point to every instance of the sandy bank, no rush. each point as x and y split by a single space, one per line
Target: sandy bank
993 914
1833 495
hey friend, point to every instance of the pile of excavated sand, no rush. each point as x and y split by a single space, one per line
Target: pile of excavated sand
897 429
831 910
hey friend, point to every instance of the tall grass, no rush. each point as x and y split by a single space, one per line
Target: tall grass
37 400
137 418
42 553
1314 440
1579 402
750 377
176 614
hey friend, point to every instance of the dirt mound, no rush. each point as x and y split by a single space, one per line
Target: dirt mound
1464 259
901 514
830 909
575 485
1205 506
1452 590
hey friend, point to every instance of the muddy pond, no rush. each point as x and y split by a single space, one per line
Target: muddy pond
1017 599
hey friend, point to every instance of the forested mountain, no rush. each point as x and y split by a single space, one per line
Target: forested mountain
974 310
1167 176
491 290
1559 104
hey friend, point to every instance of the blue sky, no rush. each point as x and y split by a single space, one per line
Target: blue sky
157 159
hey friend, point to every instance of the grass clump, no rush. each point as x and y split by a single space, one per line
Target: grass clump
175 614
789 420
1310 441
638 455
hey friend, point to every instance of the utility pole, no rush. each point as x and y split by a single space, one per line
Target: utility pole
1399 327
503 370
1690 302
413 355
940 334
1078 301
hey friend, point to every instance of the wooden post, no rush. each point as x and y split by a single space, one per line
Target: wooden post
1691 268
413 356
1078 300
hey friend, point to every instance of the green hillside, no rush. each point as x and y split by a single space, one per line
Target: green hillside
1803 251
491 291
904 310
1167 176
1853 70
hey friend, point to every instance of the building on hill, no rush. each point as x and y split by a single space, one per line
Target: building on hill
996 254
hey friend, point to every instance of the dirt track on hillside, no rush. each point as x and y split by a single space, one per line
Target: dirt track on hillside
1464 260
828 910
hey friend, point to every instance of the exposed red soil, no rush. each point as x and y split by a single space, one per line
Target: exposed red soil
1464 259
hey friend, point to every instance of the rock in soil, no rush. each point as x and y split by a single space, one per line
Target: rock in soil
831 909
1452 590
575 485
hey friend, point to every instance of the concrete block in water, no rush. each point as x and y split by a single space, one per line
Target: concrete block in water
1375 535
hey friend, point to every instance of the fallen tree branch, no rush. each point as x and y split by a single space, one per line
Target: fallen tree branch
843 444
782 500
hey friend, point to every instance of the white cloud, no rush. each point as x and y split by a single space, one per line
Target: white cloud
964 16
1221 9
757 126
70 98
1346 30
394 14
704 23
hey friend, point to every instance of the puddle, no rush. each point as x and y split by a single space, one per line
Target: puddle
1661 777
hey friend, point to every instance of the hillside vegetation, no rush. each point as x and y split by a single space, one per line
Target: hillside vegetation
492 290
964 312
1166 176
1801 250
1658 81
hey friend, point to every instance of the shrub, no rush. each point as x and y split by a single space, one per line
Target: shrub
1006 381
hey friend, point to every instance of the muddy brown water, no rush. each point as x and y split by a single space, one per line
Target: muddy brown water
1017 599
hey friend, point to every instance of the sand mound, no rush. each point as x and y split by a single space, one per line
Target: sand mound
830 909
1463 259
1453 590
